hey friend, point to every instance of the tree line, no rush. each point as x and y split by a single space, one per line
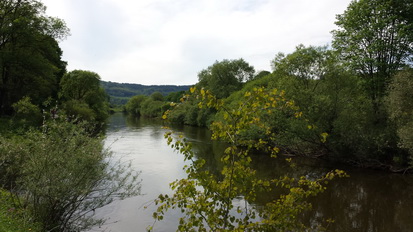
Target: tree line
120 93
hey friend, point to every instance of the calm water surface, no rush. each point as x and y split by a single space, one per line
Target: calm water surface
368 201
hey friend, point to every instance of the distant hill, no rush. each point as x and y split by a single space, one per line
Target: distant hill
120 93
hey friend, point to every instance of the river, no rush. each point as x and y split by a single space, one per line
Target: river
367 201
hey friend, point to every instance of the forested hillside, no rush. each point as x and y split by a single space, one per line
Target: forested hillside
120 93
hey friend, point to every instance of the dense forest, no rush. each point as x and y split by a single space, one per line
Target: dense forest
351 102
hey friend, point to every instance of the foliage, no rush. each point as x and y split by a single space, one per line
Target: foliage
84 96
400 106
120 93
79 110
64 174
27 113
134 104
305 63
335 101
175 96
261 74
14 218
157 96
207 201
188 113
30 58
153 108
376 38
225 77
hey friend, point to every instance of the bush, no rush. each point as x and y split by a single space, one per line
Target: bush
27 113
65 174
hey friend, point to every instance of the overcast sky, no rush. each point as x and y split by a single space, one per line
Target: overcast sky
160 42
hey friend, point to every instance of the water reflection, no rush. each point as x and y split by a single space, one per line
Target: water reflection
368 201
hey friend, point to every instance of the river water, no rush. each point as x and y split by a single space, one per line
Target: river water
367 201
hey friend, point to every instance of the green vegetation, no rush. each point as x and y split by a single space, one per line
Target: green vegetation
30 58
208 200
13 217
63 174
399 103
54 171
83 96
351 102
225 77
120 93
375 39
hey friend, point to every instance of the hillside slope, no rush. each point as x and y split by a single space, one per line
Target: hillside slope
120 93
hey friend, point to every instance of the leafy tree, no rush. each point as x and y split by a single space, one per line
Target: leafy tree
301 74
207 200
134 104
400 106
157 96
305 63
376 38
225 77
83 87
333 100
30 58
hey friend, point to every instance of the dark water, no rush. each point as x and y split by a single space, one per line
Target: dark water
367 201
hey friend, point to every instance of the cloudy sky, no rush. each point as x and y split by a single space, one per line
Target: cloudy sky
160 42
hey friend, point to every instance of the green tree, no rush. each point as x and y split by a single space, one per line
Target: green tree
376 38
225 77
333 100
305 63
399 103
157 96
30 58
84 96
133 106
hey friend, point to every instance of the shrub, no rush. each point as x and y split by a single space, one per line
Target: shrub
64 174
